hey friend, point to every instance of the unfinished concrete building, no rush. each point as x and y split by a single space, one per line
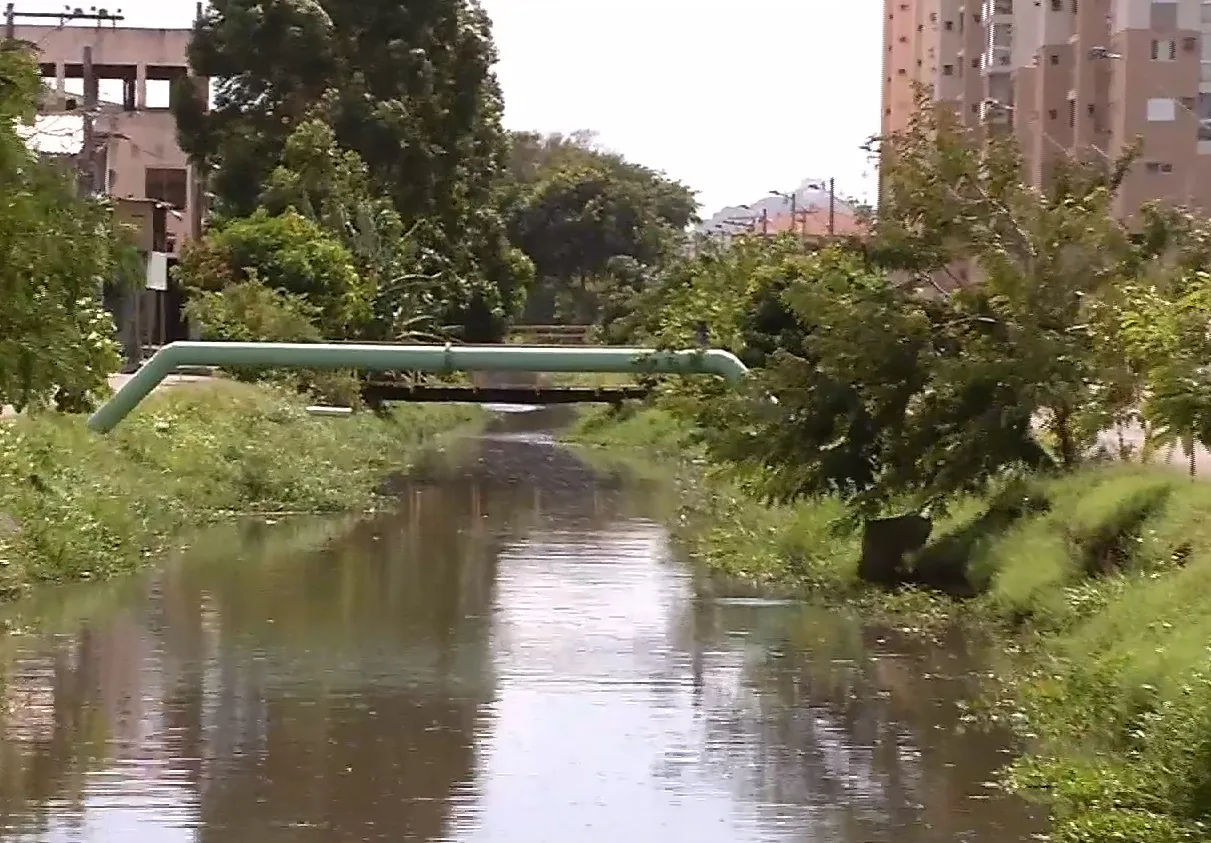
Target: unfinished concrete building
136 151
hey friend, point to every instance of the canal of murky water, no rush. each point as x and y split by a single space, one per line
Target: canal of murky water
512 655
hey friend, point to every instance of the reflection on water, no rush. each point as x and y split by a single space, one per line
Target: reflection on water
511 656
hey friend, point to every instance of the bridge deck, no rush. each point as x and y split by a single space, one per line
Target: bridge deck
536 395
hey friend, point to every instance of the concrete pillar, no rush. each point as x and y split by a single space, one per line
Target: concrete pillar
60 77
140 86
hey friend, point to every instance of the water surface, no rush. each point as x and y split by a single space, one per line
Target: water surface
512 656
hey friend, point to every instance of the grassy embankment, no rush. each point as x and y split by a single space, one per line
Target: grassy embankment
1099 584
74 505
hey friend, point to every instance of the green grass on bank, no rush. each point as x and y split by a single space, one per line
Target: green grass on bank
1099 584
75 505
630 426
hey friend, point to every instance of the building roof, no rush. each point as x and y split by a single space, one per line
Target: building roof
814 222
811 196
54 134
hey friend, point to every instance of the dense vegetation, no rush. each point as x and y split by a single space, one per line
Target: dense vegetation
55 338
360 171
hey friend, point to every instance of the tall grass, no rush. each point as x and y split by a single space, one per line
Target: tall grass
75 505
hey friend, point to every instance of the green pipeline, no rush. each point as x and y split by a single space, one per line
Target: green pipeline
414 358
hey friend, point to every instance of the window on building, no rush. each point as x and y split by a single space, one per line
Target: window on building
975 18
1074 7
949 26
1162 110
167 184
948 70
1164 50
1204 105
901 72
903 39
1072 112
1053 114
1203 110
975 63
975 108
1054 58
1057 5
1158 167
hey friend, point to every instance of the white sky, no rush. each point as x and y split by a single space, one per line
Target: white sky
734 99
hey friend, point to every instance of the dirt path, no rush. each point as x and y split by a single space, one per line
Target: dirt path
116 381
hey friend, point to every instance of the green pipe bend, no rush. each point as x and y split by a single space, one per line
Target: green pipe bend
423 358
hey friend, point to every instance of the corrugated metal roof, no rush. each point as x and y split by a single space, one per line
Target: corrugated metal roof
54 134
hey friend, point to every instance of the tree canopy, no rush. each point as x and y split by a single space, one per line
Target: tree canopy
593 223
887 383
407 87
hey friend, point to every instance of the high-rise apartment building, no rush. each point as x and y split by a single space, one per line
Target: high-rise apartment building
1067 76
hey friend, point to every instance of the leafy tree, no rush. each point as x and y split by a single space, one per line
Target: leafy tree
413 287
592 222
407 87
56 340
730 291
249 311
1165 334
1042 258
287 253
895 399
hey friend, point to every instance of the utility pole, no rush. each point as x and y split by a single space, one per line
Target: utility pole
793 198
832 206
87 162
197 181
10 23
764 222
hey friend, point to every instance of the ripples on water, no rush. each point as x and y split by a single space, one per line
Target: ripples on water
512 656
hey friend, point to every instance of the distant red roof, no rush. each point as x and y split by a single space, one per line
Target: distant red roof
813 222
